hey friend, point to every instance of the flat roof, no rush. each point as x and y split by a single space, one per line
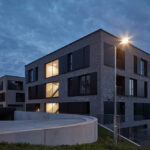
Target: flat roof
12 76
99 30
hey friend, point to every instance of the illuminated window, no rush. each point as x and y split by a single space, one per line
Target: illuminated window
52 108
52 89
52 68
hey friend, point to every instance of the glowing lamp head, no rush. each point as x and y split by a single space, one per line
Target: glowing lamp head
125 40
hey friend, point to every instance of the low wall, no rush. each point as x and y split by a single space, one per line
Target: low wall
53 129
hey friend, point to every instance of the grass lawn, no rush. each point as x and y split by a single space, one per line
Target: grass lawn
105 142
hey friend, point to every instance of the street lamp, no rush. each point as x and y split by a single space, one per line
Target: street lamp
123 41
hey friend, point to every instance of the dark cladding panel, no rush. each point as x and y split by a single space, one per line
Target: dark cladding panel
86 55
2 97
138 66
1 85
73 86
94 83
148 69
74 107
41 91
140 88
34 74
27 76
109 55
135 64
32 92
63 64
127 86
77 59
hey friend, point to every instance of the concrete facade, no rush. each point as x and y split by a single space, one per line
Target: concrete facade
10 94
105 76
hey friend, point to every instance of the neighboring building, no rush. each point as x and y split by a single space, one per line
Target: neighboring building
12 92
79 78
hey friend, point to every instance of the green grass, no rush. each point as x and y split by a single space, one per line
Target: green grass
104 142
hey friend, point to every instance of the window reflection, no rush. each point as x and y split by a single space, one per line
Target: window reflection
52 89
52 107
52 68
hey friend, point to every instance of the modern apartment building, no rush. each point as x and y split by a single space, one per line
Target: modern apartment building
12 92
79 78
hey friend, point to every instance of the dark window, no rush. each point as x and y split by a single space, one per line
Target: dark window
20 97
78 59
145 89
109 55
141 111
135 64
109 111
31 75
140 66
2 97
1 85
36 74
132 87
15 85
120 59
120 85
83 85
109 108
33 107
36 92
70 62
74 107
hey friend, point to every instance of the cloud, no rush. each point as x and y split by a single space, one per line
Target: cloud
30 29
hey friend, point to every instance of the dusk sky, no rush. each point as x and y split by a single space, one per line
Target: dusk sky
30 29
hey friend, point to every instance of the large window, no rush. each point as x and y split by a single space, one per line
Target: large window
78 59
83 85
15 85
52 89
52 108
52 68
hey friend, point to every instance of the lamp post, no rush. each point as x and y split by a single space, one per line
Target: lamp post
123 42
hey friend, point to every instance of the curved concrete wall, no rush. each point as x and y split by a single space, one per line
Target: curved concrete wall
66 129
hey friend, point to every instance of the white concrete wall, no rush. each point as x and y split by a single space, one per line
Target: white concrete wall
81 132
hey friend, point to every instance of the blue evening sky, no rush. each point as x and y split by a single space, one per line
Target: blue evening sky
30 29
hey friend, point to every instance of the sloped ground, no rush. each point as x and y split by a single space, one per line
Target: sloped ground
105 142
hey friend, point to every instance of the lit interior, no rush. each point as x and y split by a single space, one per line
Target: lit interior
52 107
52 68
52 89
